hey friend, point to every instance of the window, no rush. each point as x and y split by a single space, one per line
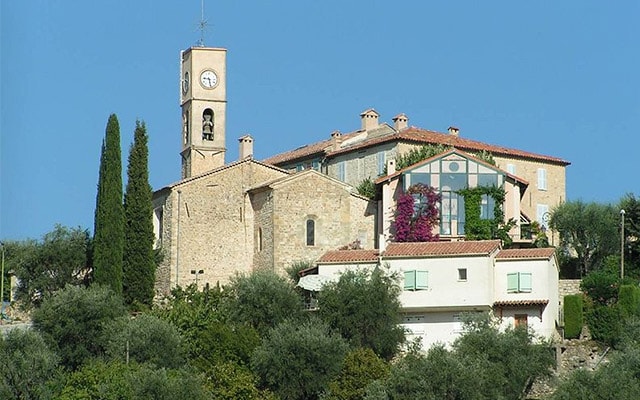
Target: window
259 239
487 206
315 164
311 232
520 320
462 274
342 171
519 282
451 213
542 179
542 215
511 168
299 167
415 280
158 226
381 162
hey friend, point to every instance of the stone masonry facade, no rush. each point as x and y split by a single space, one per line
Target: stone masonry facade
249 215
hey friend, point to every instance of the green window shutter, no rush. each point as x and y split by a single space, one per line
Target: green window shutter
422 280
512 282
409 280
525 282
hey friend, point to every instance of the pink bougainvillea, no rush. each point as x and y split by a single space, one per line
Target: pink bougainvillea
416 214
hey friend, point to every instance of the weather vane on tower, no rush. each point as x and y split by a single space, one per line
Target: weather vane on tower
202 25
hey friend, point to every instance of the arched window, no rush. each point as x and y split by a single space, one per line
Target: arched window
311 232
259 239
207 124
185 126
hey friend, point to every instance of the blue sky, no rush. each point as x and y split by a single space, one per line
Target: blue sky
557 78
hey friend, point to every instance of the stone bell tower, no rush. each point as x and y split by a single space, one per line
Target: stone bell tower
203 99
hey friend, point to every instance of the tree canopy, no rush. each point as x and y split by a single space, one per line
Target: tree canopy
61 258
108 239
364 307
298 360
138 264
72 321
262 300
588 230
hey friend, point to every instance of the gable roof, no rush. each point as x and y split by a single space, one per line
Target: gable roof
539 253
519 180
438 249
292 177
220 169
411 135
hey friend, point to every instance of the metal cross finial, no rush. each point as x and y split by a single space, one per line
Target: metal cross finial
202 25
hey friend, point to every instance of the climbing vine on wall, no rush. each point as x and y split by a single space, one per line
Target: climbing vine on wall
416 214
477 228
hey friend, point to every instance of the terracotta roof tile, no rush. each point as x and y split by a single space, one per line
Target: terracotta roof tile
480 247
340 256
410 134
520 303
545 252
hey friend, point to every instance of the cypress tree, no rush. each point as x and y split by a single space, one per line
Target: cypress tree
108 239
138 263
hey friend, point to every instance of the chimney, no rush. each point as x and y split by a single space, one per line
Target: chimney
400 121
369 119
454 131
246 147
391 167
336 139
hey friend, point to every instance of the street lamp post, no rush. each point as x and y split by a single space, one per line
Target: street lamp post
622 244
196 273
2 275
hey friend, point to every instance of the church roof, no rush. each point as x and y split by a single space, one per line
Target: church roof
220 169
411 134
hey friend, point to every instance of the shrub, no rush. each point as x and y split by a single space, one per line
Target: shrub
573 316
601 286
145 339
72 321
604 324
629 300
297 361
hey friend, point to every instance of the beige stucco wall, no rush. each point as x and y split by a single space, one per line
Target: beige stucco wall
215 221
340 217
361 165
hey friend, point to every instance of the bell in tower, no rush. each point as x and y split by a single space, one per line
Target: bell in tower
204 102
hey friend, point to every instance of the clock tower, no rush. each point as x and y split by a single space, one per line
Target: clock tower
203 100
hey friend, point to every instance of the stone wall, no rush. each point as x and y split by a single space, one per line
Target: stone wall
569 286
208 225
340 217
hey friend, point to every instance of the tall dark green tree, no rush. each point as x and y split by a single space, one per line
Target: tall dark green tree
108 240
138 264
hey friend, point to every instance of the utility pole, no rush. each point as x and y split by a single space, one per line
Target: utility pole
622 244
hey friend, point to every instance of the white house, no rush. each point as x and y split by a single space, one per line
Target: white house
442 280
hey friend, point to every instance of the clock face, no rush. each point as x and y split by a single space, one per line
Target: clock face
185 83
208 79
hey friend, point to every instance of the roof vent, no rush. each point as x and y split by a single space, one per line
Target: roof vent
369 119
454 131
400 121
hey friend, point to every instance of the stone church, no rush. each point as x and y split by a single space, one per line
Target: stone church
226 218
